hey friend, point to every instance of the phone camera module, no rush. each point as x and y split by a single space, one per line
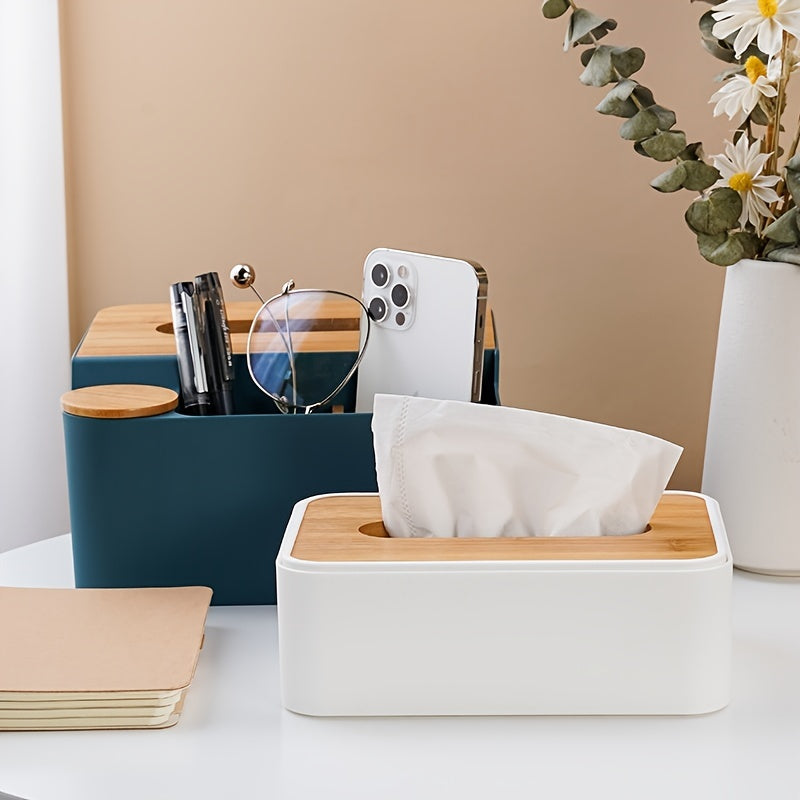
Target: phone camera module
377 309
380 275
400 295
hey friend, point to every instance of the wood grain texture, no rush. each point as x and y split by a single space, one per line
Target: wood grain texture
146 330
119 401
349 528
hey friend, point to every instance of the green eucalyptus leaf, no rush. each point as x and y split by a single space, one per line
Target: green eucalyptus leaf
749 243
642 124
694 175
719 50
600 70
664 146
586 55
646 122
699 175
758 116
627 60
609 64
790 255
706 24
582 23
784 229
644 96
692 152
726 249
597 33
717 213
707 243
792 177
554 8
666 118
617 102
671 180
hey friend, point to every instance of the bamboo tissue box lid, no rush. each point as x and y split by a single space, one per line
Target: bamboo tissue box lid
349 528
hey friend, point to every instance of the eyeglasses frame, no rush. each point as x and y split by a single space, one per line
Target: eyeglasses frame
288 289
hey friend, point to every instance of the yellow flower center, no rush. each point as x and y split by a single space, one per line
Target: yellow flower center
741 182
755 68
768 8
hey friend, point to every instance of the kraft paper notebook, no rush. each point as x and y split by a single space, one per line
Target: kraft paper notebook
98 658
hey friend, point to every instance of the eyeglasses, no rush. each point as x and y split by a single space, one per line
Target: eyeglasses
288 332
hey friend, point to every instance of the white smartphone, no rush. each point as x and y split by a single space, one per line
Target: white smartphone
428 317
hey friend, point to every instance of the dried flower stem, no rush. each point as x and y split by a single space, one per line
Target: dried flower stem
775 122
782 189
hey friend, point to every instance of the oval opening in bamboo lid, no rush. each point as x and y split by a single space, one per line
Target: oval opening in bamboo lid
119 401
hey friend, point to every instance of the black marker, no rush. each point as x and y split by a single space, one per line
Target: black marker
194 385
216 341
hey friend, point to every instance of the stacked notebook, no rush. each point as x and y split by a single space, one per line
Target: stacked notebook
98 658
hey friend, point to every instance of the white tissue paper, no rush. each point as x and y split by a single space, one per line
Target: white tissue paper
453 469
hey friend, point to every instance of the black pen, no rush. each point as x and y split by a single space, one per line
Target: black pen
194 385
216 341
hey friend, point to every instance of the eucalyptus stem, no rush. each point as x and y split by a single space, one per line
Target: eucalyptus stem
612 73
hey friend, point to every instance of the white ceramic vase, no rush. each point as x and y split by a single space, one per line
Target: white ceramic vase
752 462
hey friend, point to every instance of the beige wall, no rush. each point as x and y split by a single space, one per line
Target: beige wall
299 135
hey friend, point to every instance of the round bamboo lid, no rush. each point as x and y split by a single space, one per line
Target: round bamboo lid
119 401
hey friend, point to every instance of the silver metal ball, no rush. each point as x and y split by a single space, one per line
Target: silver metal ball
242 276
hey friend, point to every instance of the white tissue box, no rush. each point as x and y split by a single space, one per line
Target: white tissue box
637 624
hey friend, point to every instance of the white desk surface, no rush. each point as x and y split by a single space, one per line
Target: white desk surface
235 741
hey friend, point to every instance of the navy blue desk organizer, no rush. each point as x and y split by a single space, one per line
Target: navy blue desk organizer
179 500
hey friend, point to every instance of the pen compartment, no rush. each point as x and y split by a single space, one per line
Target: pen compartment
173 499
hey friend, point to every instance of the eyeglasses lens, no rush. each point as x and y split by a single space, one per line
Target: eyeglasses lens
287 335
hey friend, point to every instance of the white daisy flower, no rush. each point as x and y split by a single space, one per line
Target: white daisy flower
740 169
740 94
764 20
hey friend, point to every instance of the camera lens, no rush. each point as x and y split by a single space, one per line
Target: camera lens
400 295
377 309
380 275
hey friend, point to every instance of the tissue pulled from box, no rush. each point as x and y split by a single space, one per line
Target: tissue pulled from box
453 469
